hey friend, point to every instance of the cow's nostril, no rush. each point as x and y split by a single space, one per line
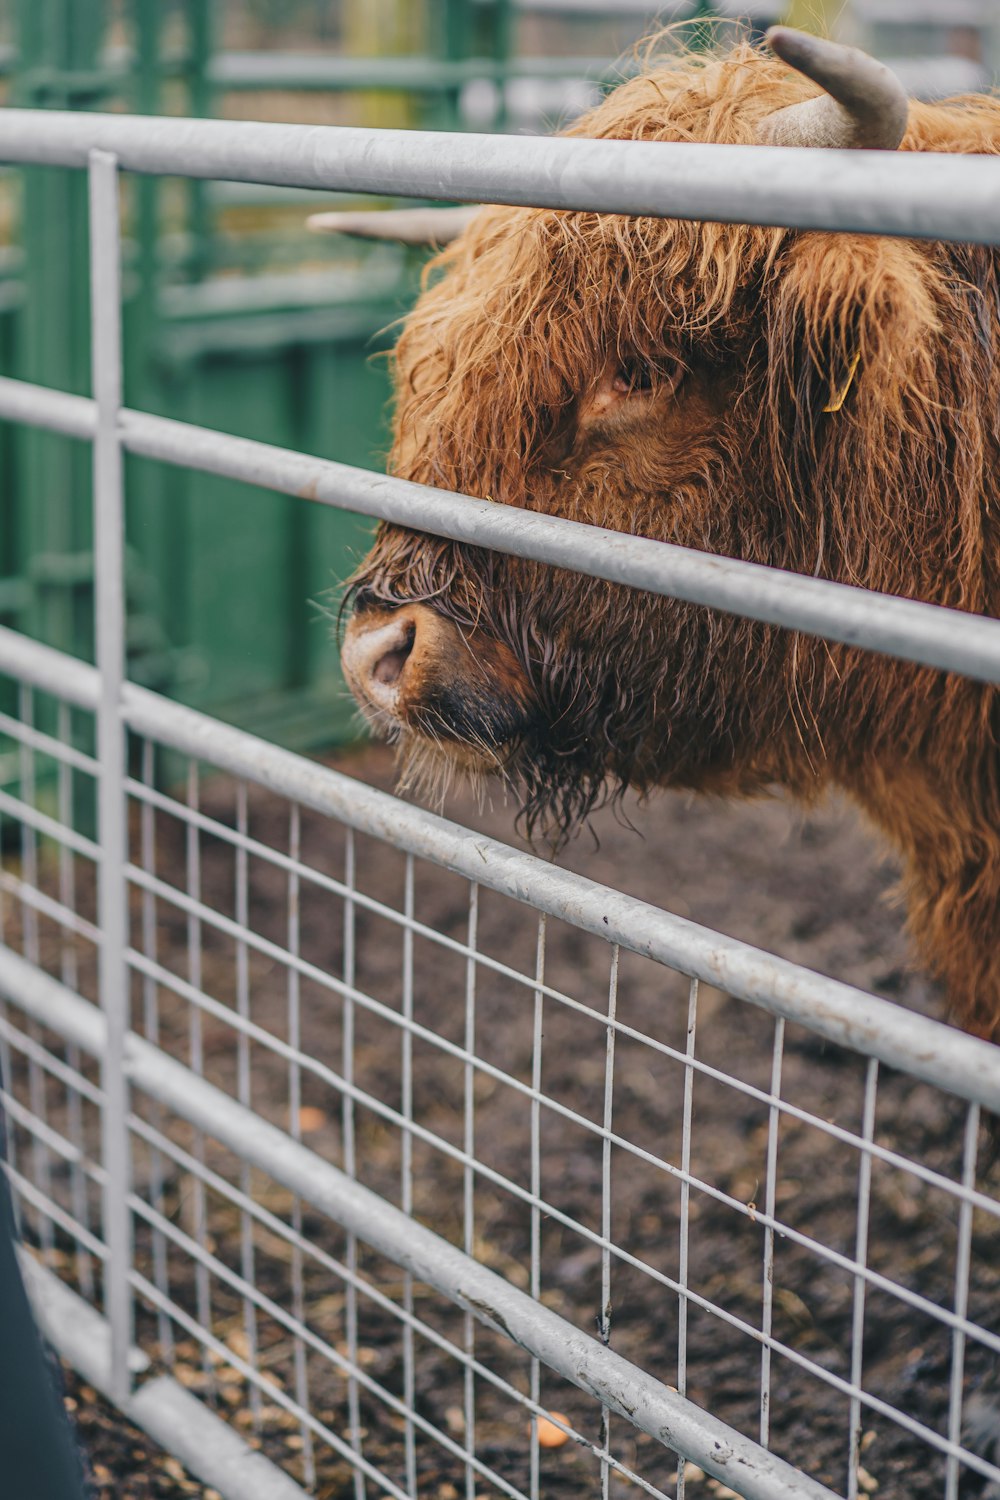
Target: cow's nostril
389 668
375 656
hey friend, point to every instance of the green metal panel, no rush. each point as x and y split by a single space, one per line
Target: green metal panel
13 590
239 540
221 577
59 42
239 577
225 327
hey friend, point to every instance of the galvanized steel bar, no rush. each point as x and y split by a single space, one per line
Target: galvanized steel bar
861 1251
243 1074
406 1176
917 195
939 1054
770 1206
196 1056
293 992
41 406
605 1314
27 789
952 640
53 671
231 70
963 1251
109 588
684 1226
69 967
849 1017
206 1444
469 1178
621 1386
348 1125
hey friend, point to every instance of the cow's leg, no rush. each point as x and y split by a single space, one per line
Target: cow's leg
951 860
954 916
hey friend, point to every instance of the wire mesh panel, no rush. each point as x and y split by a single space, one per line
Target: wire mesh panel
52 1095
425 1165
797 1239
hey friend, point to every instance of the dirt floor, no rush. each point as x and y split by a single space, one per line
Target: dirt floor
120 1461
816 889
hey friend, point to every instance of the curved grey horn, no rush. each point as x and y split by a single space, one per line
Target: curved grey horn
407 226
863 107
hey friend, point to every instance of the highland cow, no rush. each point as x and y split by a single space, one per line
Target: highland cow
825 403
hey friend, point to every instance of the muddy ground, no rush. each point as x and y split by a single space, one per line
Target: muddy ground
814 888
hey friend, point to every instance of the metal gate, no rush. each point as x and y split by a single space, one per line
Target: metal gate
233 1289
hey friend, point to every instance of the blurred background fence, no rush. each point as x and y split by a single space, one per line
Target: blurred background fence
236 319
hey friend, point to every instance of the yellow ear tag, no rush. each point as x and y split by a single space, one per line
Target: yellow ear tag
838 399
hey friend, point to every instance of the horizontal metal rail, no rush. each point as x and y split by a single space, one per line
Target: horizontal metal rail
619 1385
950 639
922 196
41 406
849 1017
206 1444
414 75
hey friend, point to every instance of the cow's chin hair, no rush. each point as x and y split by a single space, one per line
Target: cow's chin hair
553 800
430 769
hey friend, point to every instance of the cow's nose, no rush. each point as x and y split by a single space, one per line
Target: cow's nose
375 654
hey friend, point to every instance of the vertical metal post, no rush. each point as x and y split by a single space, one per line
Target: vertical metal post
294 931
685 1225
504 42
963 1254
109 544
196 1052
406 1153
151 1029
147 17
37 1085
604 1317
69 973
860 1285
699 34
200 97
770 1202
991 46
59 45
469 1184
243 1087
350 1161
535 1387
454 35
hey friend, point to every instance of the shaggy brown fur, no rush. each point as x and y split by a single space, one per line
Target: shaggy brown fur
669 379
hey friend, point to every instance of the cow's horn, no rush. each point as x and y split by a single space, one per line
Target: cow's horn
407 226
863 106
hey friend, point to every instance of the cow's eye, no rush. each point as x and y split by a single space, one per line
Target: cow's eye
637 377
632 378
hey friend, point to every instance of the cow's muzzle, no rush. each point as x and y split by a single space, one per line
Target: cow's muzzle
414 671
